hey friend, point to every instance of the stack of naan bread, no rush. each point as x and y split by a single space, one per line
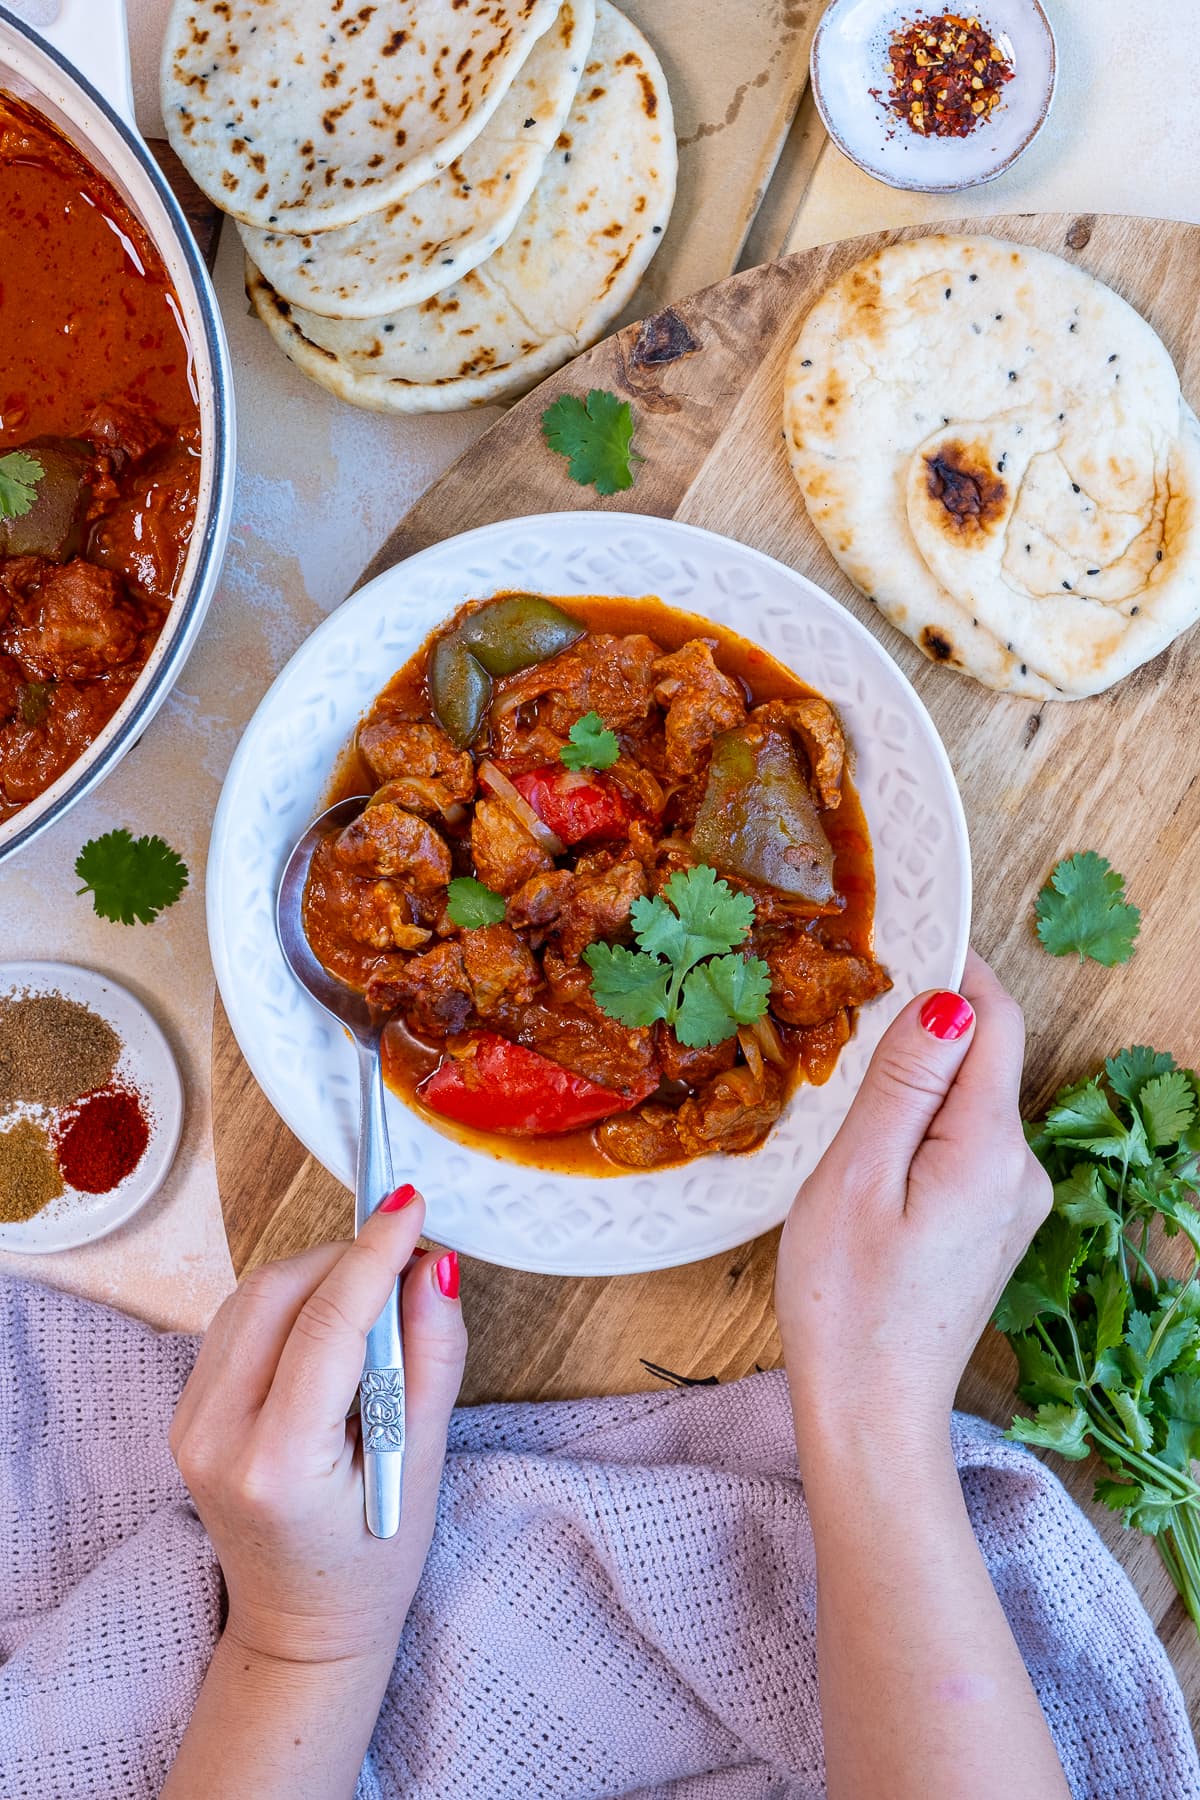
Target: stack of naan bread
995 448
441 200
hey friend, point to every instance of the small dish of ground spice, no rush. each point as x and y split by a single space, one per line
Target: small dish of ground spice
91 1106
929 98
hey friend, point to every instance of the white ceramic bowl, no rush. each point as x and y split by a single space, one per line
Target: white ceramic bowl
148 1065
849 58
507 1212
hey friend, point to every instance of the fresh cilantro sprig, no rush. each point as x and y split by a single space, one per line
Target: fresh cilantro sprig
19 476
597 435
1083 909
688 969
1107 1347
590 745
130 878
471 904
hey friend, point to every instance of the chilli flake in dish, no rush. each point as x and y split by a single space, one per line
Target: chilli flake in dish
612 889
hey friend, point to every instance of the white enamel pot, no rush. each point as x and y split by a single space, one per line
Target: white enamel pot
72 64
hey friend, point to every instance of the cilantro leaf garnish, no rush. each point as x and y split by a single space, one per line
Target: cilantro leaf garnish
590 745
19 476
723 988
596 434
1107 1343
688 970
471 904
130 878
628 986
1083 909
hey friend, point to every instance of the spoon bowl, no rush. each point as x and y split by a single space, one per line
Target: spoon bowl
345 1004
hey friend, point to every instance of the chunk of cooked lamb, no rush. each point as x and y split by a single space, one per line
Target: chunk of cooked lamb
387 840
819 729
584 1041
644 1139
598 906
700 699
731 1112
67 621
810 983
499 967
679 1063
376 913
417 764
603 674
505 854
539 900
476 976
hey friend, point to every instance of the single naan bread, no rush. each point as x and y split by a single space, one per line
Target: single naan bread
594 221
399 256
306 114
995 448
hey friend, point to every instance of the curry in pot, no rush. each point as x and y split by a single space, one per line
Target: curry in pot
612 890
99 452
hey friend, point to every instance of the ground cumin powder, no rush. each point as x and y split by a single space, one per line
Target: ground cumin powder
52 1050
29 1176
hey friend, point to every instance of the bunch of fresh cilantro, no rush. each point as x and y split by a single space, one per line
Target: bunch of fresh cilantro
688 969
1108 1348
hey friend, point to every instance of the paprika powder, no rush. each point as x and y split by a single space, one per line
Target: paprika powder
102 1140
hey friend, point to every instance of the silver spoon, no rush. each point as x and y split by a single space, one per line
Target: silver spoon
381 1392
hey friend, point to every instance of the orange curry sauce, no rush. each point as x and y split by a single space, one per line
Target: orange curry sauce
94 357
87 311
407 1060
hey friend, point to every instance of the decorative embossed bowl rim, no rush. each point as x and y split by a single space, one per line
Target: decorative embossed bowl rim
508 1212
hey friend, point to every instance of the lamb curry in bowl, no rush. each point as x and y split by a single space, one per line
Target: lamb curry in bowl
99 452
611 889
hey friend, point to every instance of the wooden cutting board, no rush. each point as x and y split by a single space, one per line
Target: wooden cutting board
1117 774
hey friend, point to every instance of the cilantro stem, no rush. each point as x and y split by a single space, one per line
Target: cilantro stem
1168 1314
1152 1277
1052 1347
1152 1471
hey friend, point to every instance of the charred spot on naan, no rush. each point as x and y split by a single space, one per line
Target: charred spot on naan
971 497
937 646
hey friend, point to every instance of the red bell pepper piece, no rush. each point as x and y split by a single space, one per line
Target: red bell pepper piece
496 1085
576 805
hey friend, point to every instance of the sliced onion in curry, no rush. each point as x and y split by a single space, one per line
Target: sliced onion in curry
498 783
766 1042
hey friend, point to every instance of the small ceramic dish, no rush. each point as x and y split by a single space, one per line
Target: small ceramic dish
146 1065
850 59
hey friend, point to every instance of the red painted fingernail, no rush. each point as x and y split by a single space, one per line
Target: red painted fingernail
420 1251
447 1274
399 1198
947 1016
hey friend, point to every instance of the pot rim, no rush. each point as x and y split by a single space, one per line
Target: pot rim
190 605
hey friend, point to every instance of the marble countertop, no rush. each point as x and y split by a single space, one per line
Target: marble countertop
319 487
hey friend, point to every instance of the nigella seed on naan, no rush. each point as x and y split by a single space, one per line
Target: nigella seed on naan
303 115
564 274
1011 473
399 256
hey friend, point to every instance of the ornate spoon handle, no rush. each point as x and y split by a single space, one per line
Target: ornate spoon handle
381 1391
